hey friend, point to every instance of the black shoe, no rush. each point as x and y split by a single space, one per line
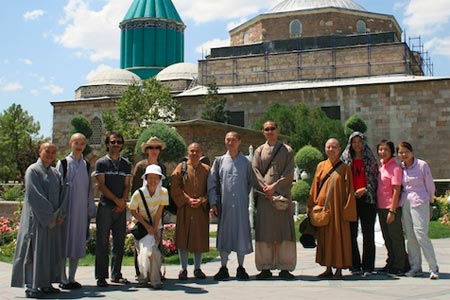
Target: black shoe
396 272
286 275
182 275
50 290
199 274
385 269
356 271
102 283
35 293
222 274
265 274
241 273
70 286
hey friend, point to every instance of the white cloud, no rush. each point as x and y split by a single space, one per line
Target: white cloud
439 46
205 48
34 92
423 17
234 24
53 89
99 69
26 61
202 11
93 33
33 15
10 86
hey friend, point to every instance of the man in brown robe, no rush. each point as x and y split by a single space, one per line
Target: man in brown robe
189 191
334 248
275 247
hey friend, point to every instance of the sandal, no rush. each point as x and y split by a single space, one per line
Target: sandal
120 280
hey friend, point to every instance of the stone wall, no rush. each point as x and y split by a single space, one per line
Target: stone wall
341 62
63 112
321 23
418 112
104 90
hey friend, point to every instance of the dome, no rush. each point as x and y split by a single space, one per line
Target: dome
295 5
178 71
152 9
114 76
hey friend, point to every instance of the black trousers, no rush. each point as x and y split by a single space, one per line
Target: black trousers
366 215
114 223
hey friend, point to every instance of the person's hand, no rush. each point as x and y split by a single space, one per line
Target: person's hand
194 203
361 192
269 190
390 217
213 211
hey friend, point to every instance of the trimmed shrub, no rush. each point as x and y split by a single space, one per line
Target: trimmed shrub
307 159
354 123
175 144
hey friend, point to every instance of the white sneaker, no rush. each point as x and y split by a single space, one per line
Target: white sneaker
434 275
413 273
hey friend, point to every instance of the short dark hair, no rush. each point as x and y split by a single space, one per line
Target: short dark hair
271 121
406 145
113 133
389 144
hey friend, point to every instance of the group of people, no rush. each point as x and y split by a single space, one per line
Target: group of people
354 188
59 205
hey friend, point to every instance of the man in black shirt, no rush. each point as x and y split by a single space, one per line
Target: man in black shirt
112 173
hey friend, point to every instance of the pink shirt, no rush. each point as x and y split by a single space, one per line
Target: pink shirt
390 174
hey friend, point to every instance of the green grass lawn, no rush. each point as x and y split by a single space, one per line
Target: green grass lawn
172 260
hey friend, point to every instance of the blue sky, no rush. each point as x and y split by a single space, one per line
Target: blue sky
52 47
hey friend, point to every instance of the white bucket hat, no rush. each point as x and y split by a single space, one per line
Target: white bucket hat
153 169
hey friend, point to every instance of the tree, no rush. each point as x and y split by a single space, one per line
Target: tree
175 144
304 125
81 125
307 159
140 104
17 130
355 123
215 105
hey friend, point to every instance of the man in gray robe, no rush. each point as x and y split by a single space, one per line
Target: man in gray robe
38 255
275 246
80 208
229 185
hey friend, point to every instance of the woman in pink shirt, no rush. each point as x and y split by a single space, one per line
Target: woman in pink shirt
389 208
417 193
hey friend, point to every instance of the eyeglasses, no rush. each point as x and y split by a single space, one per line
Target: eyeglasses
154 147
270 128
116 142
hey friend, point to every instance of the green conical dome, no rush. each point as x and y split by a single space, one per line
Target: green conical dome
152 37
161 9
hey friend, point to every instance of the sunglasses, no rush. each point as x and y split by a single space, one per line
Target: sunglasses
270 128
153 147
116 142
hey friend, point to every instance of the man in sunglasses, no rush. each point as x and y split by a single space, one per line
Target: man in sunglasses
112 173
275 247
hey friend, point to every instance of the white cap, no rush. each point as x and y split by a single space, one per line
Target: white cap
153 169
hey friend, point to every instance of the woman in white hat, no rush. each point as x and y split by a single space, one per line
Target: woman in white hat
152 149
156 197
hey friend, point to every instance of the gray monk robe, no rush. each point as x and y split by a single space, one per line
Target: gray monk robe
275 246
38 255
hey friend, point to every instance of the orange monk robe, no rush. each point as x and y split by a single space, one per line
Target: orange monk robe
334 248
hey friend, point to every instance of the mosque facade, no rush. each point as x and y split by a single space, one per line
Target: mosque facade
332 54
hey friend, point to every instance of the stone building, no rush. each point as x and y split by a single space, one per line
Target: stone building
326 53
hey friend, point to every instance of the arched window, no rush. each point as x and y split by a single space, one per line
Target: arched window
96 138
361 26
295 28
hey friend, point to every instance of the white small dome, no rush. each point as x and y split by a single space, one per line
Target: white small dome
114 76
187 71
294 5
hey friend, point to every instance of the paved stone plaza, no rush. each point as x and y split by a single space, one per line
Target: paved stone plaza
305 286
